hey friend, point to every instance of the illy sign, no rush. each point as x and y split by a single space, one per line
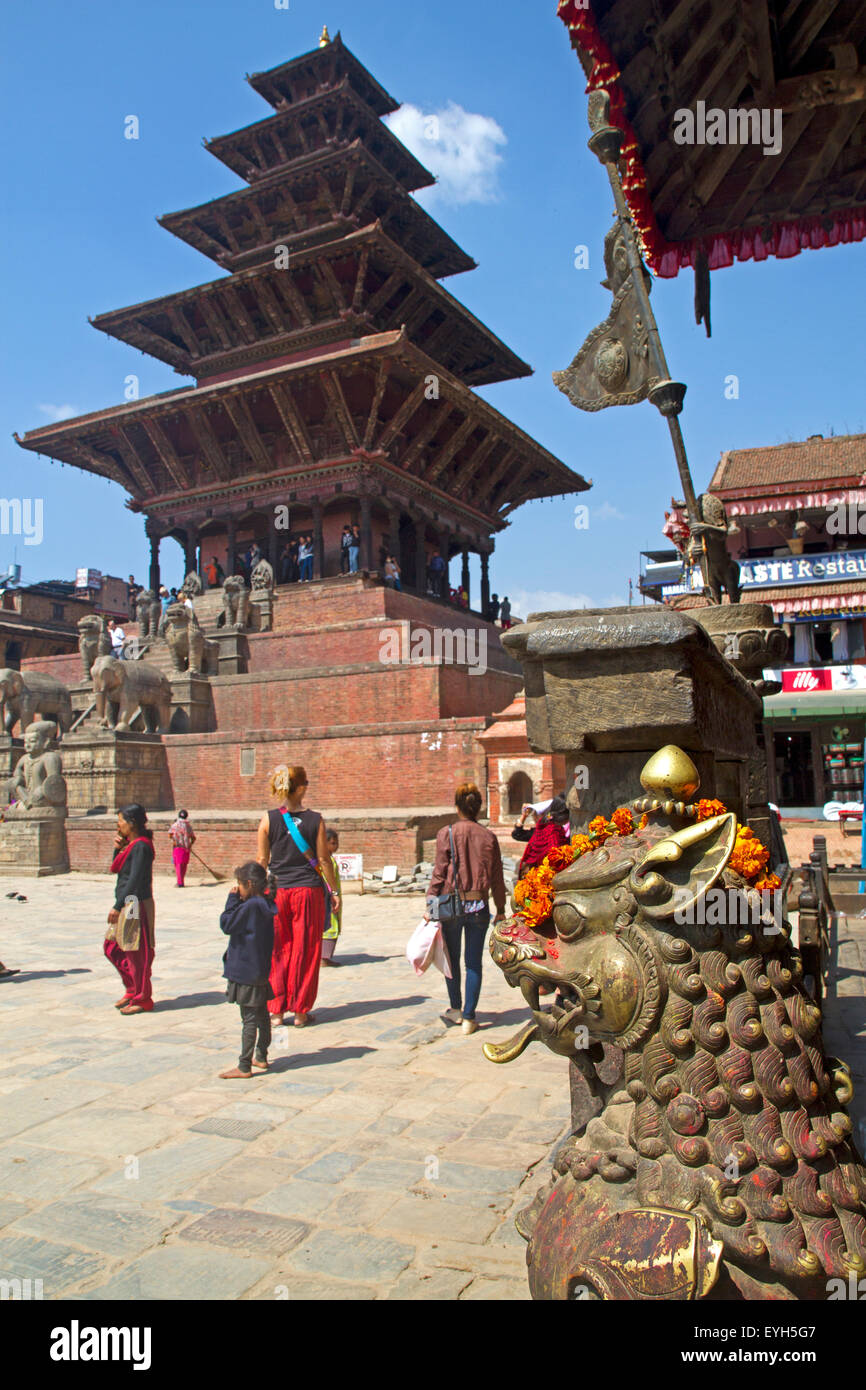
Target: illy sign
805 681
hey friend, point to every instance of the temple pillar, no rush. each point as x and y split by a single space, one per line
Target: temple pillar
394 533
231 542
318 540
485 582
445 552
153 579
273 551
464 573
366 559
420 555
190 547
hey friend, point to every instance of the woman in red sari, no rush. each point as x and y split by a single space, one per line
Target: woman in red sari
129 941
549 832
304 895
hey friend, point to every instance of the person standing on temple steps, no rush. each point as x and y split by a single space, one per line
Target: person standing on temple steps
293 844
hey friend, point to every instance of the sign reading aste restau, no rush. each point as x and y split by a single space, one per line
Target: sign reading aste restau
804 569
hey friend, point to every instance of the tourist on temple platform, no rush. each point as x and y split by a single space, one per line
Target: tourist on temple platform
392 573
164 597
547 834
436 571
132 591
468 862
292 842
345 543
305 559
130 941
335 916
182 838
354 549
118 637
254 555
493 609
505 614
214 573
248 922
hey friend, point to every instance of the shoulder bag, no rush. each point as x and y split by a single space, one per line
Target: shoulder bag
448 906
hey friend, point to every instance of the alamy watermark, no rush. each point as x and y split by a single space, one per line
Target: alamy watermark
719 907
22 516
752 126
405 646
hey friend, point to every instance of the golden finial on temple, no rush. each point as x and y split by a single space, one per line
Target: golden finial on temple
326 37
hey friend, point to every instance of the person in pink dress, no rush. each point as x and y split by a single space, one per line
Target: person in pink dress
182 838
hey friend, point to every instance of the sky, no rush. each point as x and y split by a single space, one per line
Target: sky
518 189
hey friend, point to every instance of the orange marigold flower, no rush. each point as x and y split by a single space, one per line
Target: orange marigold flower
644 821
582 844
601 829
707 808
767 883
749 856
560 857
623 819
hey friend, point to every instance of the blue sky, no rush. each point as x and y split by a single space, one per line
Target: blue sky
81 238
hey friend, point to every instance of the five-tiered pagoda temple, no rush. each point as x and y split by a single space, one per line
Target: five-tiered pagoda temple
333 373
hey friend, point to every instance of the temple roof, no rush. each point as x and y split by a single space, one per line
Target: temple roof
324 66
346 288
372 400
658 58
320 197
801 464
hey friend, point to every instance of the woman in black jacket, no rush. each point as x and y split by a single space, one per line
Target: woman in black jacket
130 940
248 922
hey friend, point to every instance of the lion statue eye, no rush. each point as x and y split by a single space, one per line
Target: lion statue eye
569 921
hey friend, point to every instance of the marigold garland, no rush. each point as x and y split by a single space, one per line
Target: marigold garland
533 894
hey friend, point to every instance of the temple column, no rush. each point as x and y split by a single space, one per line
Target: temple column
231 540
394 532
420 556
464 573
318 541
366 559
485 582
189 552
273 551
444 551
154 579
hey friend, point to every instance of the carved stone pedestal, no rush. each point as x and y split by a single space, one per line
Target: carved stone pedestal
191 704
262 610
610 686
747 634
233 651
33 844
10 751
110 770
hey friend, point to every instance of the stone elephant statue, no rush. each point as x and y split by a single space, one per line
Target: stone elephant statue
186 639
134 688
93 641
23 694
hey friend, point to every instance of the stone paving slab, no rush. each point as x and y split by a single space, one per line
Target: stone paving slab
381 1146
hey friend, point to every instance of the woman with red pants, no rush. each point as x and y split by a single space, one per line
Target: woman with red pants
292 844
129 941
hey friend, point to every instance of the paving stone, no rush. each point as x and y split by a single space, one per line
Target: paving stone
36 1105
387 1125
295 1198
354 1255
296 1288
497 1291
306 1088
331 1168
229 1128
105 1131
11 1211
246 1230
168 1173
437 1285
183 1272
398 1174
108 1225
359 1208
41 1174
433 1216
58 1266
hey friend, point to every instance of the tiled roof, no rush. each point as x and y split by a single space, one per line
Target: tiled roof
802 463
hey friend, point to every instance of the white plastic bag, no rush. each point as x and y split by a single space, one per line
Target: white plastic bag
426 947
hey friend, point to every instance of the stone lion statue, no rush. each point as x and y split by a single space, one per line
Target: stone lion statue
191 586
148 611
37 784
93 641
263 575
124 689
185 638
236 601
709 1127
24 694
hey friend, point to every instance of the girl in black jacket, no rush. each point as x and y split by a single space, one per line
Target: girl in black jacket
248 922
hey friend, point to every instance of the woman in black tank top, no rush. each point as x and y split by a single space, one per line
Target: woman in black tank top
304 895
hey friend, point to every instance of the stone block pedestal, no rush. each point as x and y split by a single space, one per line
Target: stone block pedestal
110 770
33 844
191 704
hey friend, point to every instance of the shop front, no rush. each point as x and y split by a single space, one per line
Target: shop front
815 735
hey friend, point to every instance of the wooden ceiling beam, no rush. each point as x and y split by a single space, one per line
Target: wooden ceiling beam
403 415
677 192
129 454
360 277
184 329
238 411
270 306
829 152
348 189
797 44
333 388
424 435
236 304
106 465
338 294
466 475
293 421
755 21
208 443
769 169
382 371
289 290
499 472
166 453
835 87
385 292
212 317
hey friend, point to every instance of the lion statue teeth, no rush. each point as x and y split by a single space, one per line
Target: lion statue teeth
718 1162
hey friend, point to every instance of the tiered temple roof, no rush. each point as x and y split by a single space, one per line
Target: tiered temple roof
329 360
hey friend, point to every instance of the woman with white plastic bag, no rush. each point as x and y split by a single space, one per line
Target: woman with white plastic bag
466 872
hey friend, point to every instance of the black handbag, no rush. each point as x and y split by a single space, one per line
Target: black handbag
448 906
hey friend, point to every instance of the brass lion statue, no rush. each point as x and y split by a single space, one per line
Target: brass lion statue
715 1159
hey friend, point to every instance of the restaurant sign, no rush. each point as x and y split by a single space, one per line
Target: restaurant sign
804 569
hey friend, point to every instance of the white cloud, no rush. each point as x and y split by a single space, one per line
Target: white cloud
606 512
56 413
526 601
460 147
